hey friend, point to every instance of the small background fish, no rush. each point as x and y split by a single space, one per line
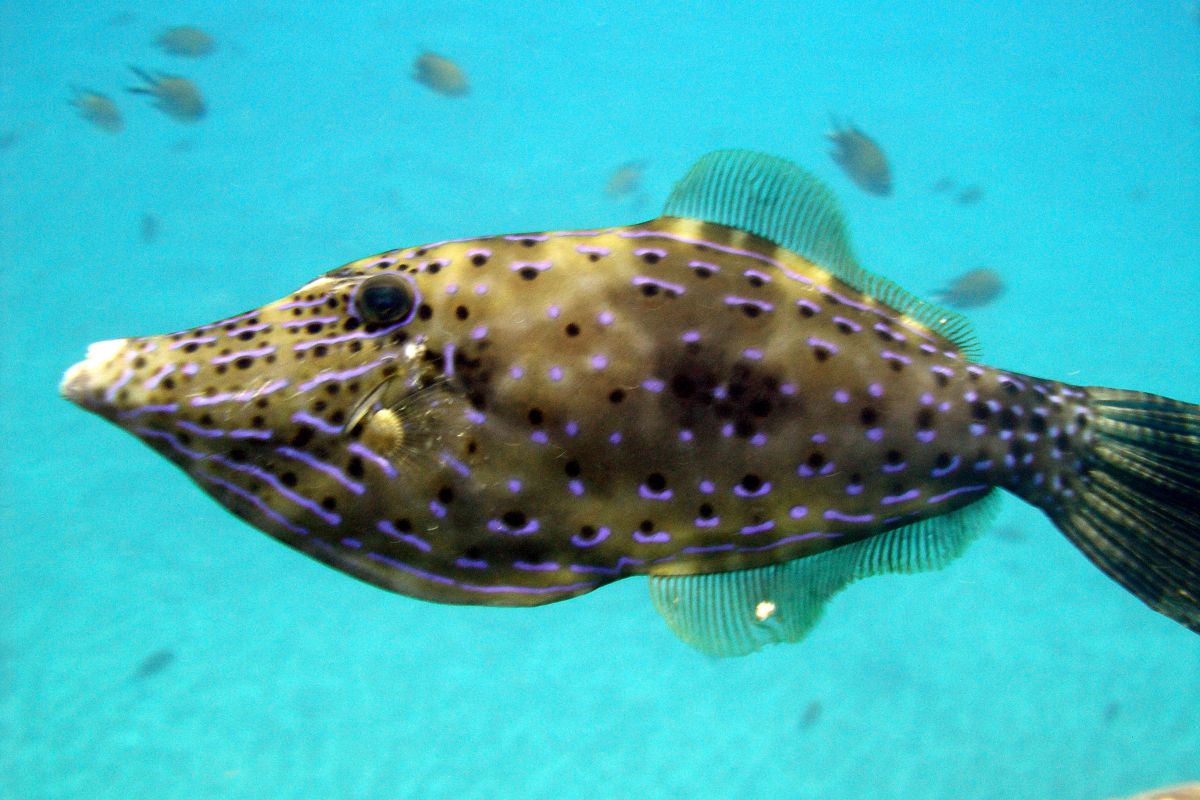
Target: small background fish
187 41
98 109
175 96
861 159
441 75
973 289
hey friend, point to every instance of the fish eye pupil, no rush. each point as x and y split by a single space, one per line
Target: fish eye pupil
384 298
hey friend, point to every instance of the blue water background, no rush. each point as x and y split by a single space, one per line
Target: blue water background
1019 672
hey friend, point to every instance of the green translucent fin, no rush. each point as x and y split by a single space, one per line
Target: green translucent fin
735 613
778 201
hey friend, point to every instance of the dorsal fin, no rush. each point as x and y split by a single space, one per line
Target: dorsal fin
773 198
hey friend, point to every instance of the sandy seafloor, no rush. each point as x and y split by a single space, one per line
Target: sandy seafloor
1019 672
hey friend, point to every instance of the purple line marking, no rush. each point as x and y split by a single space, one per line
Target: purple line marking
167 408
571 428
941 472
854 489
479 251
193 340
875 434
471 563
169 438
758 439
800 537
977 429
304 418
648 494
533 237
650 251
710 522
844 300
437 509
321 466
622 562
211 433
190 368
653 385
479 332
686 435
601 534
984 465
540 266
496 526
810 305
813 341
926 436
875 390
712 548
894 468
363 451
225 359
227 321
788 389
354 372
575 486
605 318
707 487
754 273
841 396
658 537
888 355
300 323
940 370
690 336
454 464
884 329
592 250
354 544
556 373
514 485
541 566
599 361
448 359
762 527
451 289
977 487
762 490
539 437
614 437
819 438
798 512
838 516
727 430
481 289
153 381
262 326
328 516
705 265
125 378
891 500
256 502
753 354
317 301
761 305
348 337
849 323
666 286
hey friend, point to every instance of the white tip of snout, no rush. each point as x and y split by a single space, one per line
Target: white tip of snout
80 378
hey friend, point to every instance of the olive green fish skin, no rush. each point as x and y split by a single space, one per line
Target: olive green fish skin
565 409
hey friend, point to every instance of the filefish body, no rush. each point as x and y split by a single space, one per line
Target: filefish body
519 419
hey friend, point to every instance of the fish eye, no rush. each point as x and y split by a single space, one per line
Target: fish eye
384 299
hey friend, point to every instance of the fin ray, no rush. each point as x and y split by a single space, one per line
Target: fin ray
736 613
778 201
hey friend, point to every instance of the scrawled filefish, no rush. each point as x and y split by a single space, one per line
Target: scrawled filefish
719 398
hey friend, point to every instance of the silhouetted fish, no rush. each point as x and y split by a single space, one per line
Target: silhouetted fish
972 289
441 74
153 664
176 97
720 398
98 109
861 159
186 40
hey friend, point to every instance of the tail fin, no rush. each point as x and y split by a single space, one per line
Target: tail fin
1134 510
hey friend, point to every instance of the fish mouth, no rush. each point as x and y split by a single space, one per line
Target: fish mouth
86 384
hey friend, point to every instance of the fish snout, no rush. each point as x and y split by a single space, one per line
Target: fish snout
96 382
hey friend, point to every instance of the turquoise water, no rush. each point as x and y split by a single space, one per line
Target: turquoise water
1019 672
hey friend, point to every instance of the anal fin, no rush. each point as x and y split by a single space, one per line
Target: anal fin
736 613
